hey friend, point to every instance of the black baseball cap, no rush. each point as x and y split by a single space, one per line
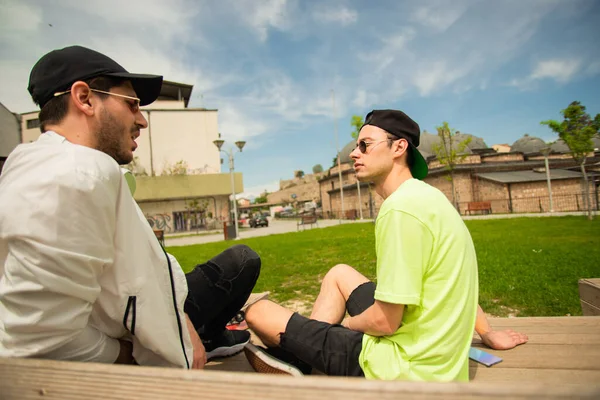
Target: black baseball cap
59 69
402 126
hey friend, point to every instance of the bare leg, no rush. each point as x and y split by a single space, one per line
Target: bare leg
268 321
336 287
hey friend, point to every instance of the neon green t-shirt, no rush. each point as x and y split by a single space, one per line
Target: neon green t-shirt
426 261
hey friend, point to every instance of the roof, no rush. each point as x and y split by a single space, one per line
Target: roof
175 91
172 187
528 176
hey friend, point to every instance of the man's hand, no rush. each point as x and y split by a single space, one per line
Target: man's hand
199 351
503 340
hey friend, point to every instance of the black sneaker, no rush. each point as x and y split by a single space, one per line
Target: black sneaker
227 344
275 361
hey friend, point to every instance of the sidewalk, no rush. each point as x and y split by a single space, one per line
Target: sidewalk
284 226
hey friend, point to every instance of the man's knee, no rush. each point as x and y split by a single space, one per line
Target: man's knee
241 257
337 273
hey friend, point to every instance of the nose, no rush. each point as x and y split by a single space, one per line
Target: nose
140 120
354 154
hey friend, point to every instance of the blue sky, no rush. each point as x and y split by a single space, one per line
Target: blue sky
494 69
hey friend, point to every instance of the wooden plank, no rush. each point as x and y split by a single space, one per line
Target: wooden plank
548 356
556 338
589 292
589 309
32 379
504 323
480 373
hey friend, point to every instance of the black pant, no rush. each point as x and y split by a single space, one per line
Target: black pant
218 289
331 349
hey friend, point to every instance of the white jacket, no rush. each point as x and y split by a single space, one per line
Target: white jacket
80 266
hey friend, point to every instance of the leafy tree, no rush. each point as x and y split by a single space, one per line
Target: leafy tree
356 122
135 168
577 129
450 152
262 199
298 174
317 169
179 168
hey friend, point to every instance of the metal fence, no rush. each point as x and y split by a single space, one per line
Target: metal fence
571 202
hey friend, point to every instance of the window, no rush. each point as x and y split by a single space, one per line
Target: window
33 123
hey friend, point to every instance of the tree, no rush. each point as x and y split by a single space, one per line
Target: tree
298 174
179 168
262 199
576 130
135 168
450 152
357 122
317 169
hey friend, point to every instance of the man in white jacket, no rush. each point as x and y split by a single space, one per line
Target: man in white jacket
82 276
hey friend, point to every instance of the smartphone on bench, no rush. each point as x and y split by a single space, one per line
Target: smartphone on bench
483 357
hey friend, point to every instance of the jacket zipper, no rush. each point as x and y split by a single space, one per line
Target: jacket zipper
175 307
131 307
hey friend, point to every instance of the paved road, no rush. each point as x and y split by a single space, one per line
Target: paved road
285 226
275 227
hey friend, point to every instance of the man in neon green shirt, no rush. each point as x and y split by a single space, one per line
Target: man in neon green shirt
417 322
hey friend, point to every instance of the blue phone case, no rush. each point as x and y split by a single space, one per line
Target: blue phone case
482 357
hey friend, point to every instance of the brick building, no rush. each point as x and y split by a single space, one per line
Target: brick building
513 182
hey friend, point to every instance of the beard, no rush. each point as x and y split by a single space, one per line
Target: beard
113 138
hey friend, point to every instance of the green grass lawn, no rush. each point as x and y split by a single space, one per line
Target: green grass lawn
527 266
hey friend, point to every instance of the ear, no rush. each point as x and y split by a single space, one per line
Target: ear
82 99
400 147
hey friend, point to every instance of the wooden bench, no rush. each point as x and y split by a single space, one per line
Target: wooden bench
589 295
304 220
560 361
484 206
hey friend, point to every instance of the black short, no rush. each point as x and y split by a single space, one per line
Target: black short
331 349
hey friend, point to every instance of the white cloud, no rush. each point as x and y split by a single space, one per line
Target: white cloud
17 17
264 15
440 15
257 190
342 15
561 71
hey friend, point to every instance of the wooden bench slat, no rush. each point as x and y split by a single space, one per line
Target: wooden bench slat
548 356
480 373
557 338
35 379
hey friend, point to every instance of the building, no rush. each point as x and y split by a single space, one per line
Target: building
299 190
177 203
10 133
512 182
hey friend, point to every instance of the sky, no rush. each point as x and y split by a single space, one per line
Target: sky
287 75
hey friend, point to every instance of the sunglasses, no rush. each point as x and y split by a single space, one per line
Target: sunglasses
132 102
362 145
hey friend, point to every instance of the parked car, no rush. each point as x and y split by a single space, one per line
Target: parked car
258 220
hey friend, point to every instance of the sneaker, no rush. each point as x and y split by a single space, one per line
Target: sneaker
263 362
227 344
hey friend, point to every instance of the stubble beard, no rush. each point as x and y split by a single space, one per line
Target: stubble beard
111 140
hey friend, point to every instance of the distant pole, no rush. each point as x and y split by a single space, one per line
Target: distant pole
359 200
546 151
337 147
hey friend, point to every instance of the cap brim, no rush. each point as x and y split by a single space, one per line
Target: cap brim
419 168
147 87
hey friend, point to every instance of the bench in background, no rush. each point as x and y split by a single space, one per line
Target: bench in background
307 220
484 206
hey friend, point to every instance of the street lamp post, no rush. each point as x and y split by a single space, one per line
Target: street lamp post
546 152
240 144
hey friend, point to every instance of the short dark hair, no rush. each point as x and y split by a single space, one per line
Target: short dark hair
410 158
55 110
